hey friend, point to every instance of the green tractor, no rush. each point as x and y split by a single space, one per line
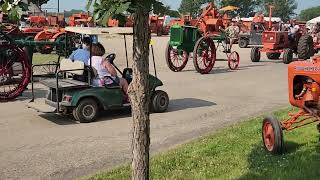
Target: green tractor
84 101
185 40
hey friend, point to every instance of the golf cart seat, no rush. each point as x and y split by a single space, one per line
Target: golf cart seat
68 67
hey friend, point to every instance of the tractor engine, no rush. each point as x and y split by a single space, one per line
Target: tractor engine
275 39
304 83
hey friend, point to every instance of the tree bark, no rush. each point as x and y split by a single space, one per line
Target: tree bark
139 94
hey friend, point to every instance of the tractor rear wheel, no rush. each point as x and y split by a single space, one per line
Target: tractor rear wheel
273 55
243 43
272 135
255 54
287 56
305 47
15 71
204 55
176 59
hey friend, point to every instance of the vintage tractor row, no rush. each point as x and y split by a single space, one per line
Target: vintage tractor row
200 41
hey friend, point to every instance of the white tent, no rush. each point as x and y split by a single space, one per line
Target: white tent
314 20
273 19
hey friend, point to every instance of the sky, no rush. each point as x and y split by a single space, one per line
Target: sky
174 4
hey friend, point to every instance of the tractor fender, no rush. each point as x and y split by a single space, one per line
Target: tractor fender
42 35
56 36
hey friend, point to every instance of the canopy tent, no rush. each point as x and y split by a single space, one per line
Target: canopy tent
273 19
312 22
229 8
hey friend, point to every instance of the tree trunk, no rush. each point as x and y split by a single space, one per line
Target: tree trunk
139 95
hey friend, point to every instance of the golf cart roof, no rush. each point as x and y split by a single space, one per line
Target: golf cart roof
100 31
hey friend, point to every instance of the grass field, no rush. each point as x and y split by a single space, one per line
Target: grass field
44 58
236 153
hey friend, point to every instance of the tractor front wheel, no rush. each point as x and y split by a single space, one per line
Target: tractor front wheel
255 54
176 59
273 55
234 60
86 111
204 55
287 56
272 135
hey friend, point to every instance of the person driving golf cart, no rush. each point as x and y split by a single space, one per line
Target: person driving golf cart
105 73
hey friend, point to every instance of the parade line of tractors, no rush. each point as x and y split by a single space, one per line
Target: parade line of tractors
197 38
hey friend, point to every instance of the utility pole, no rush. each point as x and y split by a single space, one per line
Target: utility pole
58 6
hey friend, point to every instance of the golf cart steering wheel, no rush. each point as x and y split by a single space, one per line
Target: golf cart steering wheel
111 57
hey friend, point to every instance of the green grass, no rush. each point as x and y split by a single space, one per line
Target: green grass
236 153
44 58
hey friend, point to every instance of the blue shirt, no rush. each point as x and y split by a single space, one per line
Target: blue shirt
80 55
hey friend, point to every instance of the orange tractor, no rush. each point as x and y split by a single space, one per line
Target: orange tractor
80 19
48 34
304 93
157 25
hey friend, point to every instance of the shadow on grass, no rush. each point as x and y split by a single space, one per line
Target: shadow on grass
299 161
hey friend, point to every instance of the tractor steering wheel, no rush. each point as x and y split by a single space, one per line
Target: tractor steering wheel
111 57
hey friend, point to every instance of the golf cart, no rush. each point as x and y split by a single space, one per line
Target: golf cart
84 101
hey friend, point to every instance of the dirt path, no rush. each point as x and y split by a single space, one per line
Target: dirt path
37 146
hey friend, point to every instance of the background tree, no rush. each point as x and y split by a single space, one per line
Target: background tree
283 8
139 87
191 7
41 2
13 8
161 9
309 13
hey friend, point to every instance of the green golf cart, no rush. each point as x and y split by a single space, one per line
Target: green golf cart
84 101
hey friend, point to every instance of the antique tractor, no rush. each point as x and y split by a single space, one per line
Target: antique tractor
304 92
16 64
199 40
157 25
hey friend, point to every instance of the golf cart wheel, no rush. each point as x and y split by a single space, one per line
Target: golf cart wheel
305 47
176 59
159 101
272 135
86 111
234 60
255 54
243 43
273 55
204 55
287 56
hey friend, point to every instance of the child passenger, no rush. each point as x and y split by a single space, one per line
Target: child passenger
106 74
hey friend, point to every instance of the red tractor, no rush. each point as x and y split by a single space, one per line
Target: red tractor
52 35
304 93
274 43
